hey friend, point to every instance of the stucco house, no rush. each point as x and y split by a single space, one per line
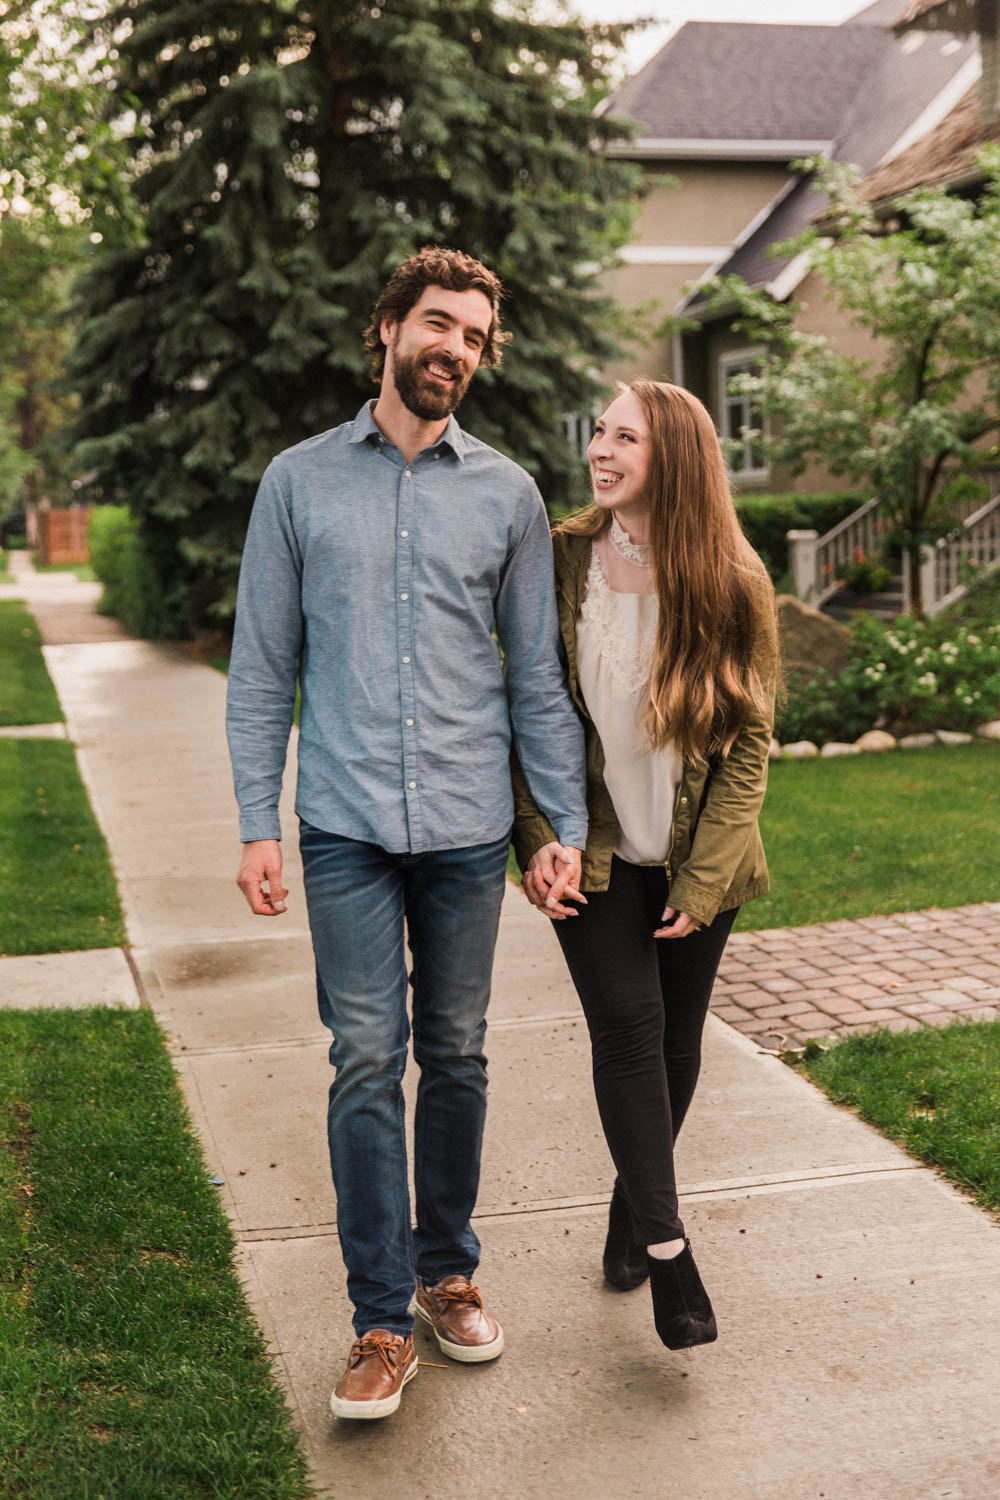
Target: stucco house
723 110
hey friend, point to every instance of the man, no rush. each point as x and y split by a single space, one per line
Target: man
380 556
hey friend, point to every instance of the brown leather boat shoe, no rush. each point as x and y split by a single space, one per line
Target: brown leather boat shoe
378 1366
463 1328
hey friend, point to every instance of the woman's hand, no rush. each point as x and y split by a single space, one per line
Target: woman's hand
553 872
681 925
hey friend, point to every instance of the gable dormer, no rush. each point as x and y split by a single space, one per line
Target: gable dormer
966 18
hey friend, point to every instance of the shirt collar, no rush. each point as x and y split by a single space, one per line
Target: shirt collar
365 426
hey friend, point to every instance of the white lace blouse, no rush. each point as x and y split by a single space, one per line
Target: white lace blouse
616 635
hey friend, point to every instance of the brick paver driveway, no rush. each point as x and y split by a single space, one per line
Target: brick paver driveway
917 969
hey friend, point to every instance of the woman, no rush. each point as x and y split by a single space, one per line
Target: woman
668 620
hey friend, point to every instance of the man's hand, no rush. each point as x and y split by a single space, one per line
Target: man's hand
260 865
552 873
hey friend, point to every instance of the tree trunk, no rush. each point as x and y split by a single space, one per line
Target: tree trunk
911 561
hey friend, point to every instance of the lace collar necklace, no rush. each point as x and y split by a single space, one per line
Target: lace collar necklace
634 552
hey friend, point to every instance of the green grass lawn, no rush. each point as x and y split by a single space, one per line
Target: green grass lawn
60 889
879 833
131 1365
936 1092
26 692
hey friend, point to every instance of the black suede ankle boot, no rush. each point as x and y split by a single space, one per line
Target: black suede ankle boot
624 1252
681 1310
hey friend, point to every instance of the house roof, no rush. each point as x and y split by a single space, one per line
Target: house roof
944 15
741 83
896 86
881 13
946 155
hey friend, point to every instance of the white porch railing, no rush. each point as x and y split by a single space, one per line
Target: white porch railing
947 568
814 559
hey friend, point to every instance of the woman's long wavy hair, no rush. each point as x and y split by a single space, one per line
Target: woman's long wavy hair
716 647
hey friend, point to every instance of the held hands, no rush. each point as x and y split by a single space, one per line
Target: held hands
552 874
261 863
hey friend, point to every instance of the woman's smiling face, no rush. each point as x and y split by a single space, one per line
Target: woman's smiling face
619 456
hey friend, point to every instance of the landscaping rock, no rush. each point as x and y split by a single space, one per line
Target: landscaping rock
917 741
775 751
990 731
838 747
810 639
877 740
952 737
800 750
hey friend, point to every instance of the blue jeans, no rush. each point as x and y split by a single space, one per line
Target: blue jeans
358 895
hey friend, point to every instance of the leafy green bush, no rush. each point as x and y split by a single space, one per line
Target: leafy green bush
132 590
982 603
766 518
904 676
865 575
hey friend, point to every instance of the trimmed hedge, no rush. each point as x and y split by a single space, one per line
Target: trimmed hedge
132 589
766 518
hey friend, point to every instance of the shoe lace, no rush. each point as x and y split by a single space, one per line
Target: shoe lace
468 1294
382 1346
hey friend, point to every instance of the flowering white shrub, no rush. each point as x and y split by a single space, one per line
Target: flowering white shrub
907 676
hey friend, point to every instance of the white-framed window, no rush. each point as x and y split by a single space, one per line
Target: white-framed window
741 421
579 429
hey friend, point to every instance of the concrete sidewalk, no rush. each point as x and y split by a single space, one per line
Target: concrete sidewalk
857 1294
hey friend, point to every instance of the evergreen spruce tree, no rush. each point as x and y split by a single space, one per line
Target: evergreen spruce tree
291 154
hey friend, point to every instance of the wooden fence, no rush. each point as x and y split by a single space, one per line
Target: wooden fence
62 535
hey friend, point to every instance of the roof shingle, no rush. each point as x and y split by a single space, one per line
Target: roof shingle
716 81
944 155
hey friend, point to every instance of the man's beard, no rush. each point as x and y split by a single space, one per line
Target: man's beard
427 401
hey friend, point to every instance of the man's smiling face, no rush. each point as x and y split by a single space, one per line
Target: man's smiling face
432 355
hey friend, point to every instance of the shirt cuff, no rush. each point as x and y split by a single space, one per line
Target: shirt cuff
574 835
260 825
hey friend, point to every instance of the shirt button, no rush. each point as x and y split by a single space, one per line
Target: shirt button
406 661
437 455
412 785
404 596
404 533
407 474
683 801
410 722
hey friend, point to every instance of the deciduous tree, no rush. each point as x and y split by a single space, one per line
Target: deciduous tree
912 423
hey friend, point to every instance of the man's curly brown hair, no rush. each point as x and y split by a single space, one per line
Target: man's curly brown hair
434 266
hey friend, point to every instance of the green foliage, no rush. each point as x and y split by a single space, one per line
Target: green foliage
52 855
36 265
766 520
132 589
864 574
906 676
981 605
291 155
26 692
132 1365
868 834
63 189
64 164
912 420
936 1092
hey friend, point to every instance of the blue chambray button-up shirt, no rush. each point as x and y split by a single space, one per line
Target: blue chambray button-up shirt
376 583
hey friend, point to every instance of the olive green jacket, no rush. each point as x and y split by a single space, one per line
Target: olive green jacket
716 859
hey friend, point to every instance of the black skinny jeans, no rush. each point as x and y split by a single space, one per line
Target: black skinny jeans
645 1000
